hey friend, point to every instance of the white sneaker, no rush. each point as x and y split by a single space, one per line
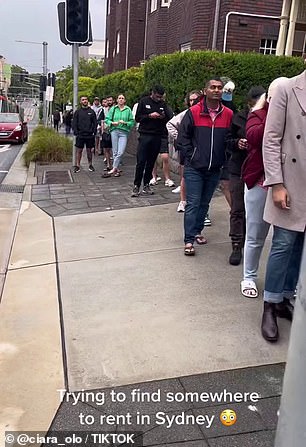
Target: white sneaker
153 182
158 179
169 183
181 207
177 190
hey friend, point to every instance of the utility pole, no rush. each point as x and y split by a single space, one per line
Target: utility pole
45 73
75 65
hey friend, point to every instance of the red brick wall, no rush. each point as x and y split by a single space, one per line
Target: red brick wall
137 32
186 21
180 24
247 37
117 20
157 30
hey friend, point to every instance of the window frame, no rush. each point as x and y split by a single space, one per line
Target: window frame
153 6
268 49
117 47
184 47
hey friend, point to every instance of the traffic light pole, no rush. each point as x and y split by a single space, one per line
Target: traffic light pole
291 424
75 65
45 73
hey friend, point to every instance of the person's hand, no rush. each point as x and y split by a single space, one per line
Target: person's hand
154 115
115 123
121 122
161 116
242 144
280 197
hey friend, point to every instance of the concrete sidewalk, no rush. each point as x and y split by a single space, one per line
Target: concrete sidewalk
101 297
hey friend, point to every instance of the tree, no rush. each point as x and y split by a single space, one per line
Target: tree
64 88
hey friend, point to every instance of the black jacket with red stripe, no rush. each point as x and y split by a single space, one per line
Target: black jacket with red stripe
201 139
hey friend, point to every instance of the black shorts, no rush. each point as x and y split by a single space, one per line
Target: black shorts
81 142
164 147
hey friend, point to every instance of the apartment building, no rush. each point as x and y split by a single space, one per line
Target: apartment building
139 29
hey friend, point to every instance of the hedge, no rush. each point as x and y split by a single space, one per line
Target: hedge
129 82
182 72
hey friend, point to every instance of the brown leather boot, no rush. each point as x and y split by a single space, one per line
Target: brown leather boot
236 255
269 328
284 310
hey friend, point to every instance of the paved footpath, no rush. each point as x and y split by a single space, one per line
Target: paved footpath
99 300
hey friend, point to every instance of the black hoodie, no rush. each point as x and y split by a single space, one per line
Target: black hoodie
148 125
237 156
84 122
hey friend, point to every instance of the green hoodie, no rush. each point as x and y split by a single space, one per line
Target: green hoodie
115 114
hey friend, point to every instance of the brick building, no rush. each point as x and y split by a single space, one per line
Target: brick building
139 29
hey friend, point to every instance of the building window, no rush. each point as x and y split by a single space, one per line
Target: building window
108 7
117 42
153 5
165 3
185 47
268 46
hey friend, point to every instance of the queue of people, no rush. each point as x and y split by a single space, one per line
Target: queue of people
261 147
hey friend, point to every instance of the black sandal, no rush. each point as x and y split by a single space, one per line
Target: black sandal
189 250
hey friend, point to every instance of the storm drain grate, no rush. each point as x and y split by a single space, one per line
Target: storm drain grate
11 188
57 177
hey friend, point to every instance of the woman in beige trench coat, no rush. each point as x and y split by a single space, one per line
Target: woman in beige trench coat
284 154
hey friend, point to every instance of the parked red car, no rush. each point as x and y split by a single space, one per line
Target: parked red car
12 128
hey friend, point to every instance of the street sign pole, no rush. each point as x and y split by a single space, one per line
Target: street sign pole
75 65
45 73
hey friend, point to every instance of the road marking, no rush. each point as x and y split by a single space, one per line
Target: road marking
4 148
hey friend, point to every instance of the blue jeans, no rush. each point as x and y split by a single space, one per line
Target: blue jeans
119 140
283 266
256 230
200 187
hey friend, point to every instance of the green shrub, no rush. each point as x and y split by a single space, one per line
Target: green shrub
85 87
129 82
46 145
182 72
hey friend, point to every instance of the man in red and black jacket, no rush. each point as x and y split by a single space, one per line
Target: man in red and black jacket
202 141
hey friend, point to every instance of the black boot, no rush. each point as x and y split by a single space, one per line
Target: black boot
236 255
284 310
269 328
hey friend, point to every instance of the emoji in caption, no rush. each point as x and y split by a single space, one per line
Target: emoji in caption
228 417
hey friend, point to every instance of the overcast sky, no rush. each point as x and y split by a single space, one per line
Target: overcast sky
36 20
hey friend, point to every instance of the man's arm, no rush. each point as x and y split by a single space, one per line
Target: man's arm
94 123
272 147
185 134
75 123
141 112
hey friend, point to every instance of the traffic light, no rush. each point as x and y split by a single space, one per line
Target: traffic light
77 21
42 83
51 79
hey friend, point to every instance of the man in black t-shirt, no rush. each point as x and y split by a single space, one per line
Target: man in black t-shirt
152 115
